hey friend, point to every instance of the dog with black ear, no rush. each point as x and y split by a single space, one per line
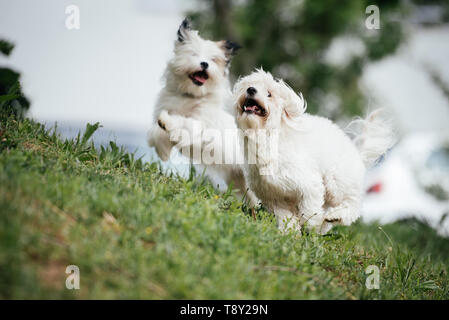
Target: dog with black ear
196 100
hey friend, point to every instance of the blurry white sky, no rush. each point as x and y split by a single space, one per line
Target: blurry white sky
110 69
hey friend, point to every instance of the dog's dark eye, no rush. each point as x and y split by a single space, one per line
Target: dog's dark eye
269 94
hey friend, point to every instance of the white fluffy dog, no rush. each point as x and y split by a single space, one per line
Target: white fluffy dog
194 99
319 171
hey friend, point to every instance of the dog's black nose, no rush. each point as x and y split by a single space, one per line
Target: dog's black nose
251 91
204 65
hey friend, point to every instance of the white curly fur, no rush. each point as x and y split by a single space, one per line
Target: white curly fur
182 104
319 173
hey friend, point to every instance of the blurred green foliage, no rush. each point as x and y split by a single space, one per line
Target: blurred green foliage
12 101
291 38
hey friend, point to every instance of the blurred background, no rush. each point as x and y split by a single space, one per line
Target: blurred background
109 70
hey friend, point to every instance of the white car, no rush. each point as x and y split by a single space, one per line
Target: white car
412 180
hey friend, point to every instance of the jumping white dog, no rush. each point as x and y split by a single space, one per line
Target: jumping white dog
318 173
193 100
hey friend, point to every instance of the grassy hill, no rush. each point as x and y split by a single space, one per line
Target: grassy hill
136 233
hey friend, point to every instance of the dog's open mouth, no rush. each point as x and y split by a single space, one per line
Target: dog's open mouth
199 77
252 106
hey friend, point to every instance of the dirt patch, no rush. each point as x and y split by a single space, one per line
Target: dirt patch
33 147
52 274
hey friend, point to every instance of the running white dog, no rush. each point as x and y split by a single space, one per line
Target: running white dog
318 171
194 99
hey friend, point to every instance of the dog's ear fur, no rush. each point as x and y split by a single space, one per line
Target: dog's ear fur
230 48
294 105
184 30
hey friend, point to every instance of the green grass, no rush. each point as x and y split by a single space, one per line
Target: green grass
137 233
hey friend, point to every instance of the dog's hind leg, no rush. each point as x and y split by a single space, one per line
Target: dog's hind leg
342 202
345 213
184 132
312 200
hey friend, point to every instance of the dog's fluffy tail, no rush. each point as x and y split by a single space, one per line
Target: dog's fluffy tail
373 136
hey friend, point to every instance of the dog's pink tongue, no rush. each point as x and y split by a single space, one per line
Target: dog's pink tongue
252 108
200 79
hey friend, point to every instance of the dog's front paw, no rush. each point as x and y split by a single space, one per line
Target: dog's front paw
161 124
164 120
177 135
